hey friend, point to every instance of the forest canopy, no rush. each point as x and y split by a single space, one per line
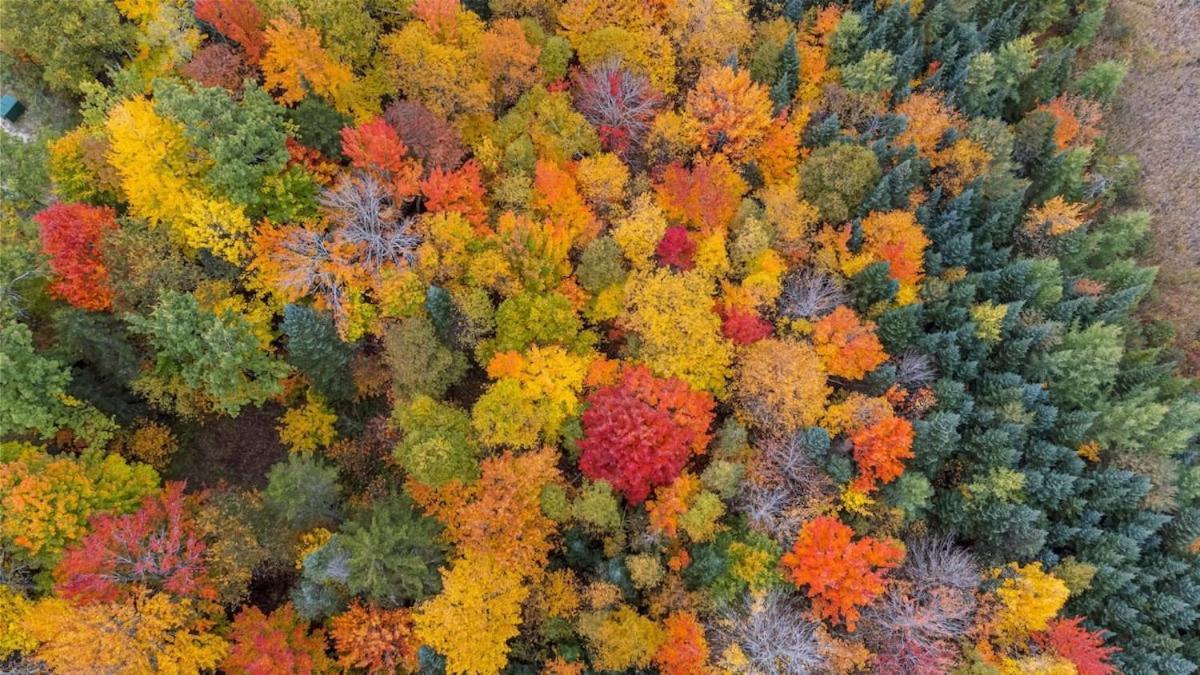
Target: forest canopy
582 336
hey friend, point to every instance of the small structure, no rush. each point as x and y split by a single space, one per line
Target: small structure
10 108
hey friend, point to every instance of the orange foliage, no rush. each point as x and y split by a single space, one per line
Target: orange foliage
878 451
734 111
684 650
557 197
499 515
376 640
670 502
279 643
459 190
847 346
841 574
706 198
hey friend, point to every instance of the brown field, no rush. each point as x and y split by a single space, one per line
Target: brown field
1157 118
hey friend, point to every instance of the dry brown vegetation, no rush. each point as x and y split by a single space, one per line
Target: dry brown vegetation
1157 118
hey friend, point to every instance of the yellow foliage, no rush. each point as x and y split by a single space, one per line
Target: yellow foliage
160 181
622 639
1055 217
536 394
1029 599
152 443
478 611
781 385
308 427
154 160
681 335
675 136
310 542
560 594
149 633
644 51
602 179
442 74
14 610
638 233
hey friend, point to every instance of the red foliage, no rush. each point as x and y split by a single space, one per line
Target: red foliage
429 138
706 198
744 327
158 547
460 190
878 451
641 432
280 643
71 235
1078 645
238 20
676 248
841 574
217 65
376 147
618 103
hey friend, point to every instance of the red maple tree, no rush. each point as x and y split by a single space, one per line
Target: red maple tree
641 432
71 235
157 547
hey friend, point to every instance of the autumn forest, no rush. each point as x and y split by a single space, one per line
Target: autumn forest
566 337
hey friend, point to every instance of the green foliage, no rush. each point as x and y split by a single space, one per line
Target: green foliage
393 553
597 507
74 42
872 74
244 139
26 175
35 393
1101 81
313 346
837 178
528 319
318 126
601 265
203 361
303 492
437 446
420 363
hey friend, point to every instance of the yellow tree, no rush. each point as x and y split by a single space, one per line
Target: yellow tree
681 335
295 60
160 178
147 633
474 617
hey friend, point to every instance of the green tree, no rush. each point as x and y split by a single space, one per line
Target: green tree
74 42
314 347
837 178
35 395
303 492
438 445
393 553
245 139
204 361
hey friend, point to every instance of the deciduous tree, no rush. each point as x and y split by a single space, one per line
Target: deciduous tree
71 235
640 433
841 574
